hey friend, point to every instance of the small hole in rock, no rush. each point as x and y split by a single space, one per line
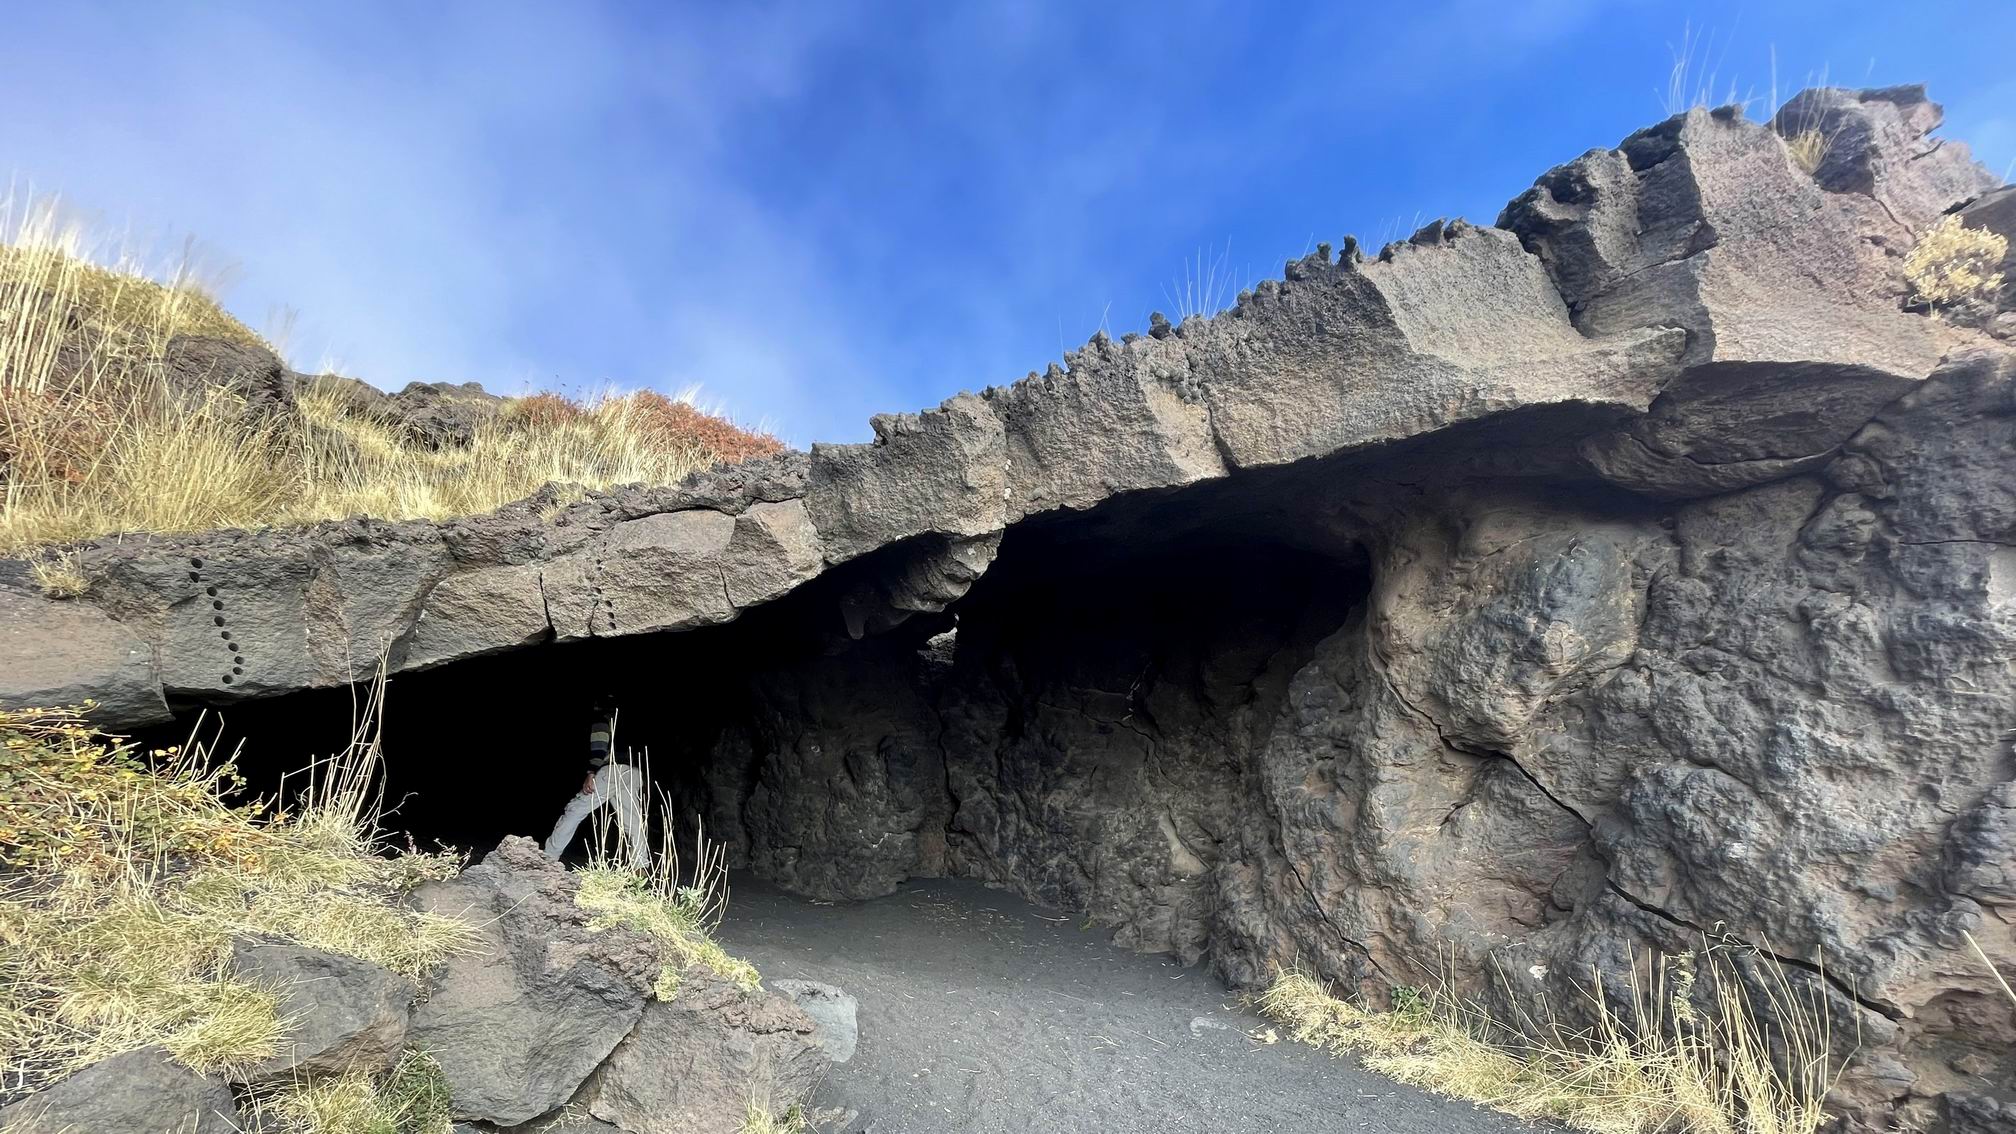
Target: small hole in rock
196 563
227 679
219 620
211 591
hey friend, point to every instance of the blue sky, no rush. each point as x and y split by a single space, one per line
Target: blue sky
822 211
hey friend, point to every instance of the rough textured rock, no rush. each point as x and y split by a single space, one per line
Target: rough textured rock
343 1014
64 653
520 1023
1878 144
437 415
139 1091
442 415
833 1014
199 369
695 1064
1524 599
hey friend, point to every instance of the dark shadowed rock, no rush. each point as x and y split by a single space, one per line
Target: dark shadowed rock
1995 211
140 1091
698 1062
519 1023
342 1014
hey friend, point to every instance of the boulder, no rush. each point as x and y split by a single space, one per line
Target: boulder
1878 143
520 1022
342 1014
138 1091
832 1011
732 1049
1702 222
442 415
432 415
199 369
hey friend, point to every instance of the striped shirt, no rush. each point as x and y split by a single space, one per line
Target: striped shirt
598 744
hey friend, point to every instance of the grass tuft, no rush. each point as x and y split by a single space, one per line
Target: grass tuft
60 574
682 916
412 1099
761 1121
1953 264
1735 1066
1808 149
128 874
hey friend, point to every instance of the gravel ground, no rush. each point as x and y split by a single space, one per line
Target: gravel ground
982 1013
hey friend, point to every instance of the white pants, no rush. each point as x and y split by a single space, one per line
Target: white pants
622 787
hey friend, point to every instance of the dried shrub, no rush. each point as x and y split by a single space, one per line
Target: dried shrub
1952 264
676 424
543 411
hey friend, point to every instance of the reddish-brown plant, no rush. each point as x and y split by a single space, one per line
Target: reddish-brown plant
675 424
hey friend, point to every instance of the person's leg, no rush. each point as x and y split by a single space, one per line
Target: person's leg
576 810
626 797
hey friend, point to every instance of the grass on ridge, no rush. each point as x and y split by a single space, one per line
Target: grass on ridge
124 877
1739 1067
95 439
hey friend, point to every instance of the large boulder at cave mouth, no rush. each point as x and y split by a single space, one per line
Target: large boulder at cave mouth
520 1021
697 1063
133 1091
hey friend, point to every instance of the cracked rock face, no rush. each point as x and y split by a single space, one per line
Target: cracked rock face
1529 598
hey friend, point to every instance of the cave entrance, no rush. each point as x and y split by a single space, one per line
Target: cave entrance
493 746
1028 735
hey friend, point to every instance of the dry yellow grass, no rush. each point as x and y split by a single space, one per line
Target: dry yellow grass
411 1099
761 1121
1808 149
681 916
1953 264
60 573
1739 1067
128 874
94 439
357 466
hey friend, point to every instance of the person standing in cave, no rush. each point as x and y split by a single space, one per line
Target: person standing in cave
611 781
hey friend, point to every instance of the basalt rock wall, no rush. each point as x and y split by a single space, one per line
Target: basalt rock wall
1517 601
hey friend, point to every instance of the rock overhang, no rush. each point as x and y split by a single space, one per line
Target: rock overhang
1693 285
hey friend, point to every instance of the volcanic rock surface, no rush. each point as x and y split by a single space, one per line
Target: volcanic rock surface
1520 600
